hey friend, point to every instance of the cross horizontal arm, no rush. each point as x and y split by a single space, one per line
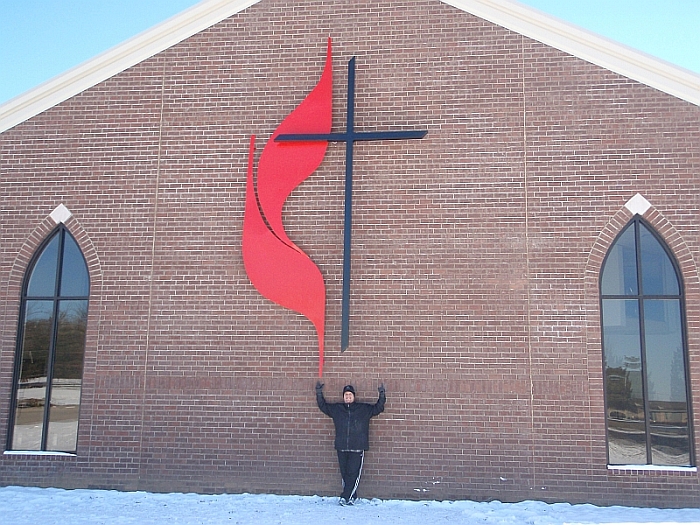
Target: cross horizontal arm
345 137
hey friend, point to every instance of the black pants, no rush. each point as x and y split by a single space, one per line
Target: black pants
350 464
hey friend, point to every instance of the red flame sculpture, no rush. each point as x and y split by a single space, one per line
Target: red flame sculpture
277 268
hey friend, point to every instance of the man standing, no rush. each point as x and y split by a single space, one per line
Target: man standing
351 420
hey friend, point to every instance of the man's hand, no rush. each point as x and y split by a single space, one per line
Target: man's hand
381 389
319 386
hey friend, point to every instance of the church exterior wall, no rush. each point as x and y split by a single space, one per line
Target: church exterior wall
476 256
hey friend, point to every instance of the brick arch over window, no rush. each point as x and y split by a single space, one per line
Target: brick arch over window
13 293
689 271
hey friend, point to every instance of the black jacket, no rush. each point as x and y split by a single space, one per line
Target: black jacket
351 421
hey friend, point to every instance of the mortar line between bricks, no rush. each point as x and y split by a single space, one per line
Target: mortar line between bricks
150 277
528 303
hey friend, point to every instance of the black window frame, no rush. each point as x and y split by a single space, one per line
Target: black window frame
640 297
61 232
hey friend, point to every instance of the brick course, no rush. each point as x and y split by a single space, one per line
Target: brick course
476 255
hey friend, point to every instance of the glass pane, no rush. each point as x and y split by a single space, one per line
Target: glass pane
658 274
623 382
626 442
666 377
68 371
31 390
669 440
620 271
74 275
42 282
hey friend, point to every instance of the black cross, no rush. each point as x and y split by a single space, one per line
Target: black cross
349 137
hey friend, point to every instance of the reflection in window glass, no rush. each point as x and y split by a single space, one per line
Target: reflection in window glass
668 408
620 271
623 374
31 388
644 354
42 282
51 349
66 381
658 274
74 276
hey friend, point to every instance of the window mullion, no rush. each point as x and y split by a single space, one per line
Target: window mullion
49 374
642 342
52 347
645 386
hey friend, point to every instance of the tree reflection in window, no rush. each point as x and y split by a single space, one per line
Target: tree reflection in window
644 353
50 348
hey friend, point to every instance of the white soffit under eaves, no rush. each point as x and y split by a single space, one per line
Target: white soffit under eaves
586 45
512 15
120 58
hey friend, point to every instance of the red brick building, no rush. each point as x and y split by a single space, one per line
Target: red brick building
524 278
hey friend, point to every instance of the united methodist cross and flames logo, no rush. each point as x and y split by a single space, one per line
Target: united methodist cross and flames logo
277 267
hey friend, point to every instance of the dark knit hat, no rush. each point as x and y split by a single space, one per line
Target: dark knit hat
349 388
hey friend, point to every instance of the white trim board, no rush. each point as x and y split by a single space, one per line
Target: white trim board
586 45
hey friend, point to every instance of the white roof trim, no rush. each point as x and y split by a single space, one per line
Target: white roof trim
510 14
586 45
121 57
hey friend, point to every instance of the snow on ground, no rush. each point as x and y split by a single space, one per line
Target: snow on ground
31 506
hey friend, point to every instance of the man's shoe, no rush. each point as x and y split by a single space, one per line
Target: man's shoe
343 502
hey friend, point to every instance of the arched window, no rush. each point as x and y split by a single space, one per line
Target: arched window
644 352
50 348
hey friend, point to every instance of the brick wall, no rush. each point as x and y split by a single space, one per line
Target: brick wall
476 253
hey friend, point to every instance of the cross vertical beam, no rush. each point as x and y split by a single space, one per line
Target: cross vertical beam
349 137
347 224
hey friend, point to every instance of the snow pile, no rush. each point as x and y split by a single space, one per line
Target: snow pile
29 506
